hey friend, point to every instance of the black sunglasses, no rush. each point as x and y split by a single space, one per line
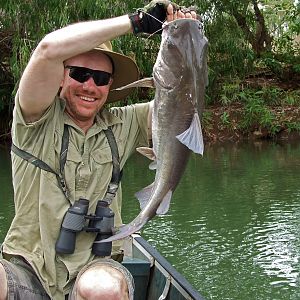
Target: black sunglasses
82 74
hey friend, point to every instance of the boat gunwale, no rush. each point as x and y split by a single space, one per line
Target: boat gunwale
155 258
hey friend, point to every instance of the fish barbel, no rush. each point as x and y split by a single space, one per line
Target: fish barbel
180 78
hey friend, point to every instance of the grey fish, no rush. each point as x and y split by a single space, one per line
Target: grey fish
180 77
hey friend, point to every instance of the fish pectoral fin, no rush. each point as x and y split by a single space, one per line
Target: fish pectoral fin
144 195
149 153
165 204
153 165
193 137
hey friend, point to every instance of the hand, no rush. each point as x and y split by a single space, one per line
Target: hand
173 14
150 18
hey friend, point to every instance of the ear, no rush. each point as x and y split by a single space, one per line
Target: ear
110 82
64 76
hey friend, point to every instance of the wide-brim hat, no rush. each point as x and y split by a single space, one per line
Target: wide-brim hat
125 72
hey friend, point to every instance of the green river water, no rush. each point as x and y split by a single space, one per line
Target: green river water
233 229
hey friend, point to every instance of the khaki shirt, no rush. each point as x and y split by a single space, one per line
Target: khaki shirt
40 204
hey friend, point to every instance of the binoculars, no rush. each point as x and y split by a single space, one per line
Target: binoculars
75 220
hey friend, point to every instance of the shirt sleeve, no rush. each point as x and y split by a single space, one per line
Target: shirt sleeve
133 132
31 136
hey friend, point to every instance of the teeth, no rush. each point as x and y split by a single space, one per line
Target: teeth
87 99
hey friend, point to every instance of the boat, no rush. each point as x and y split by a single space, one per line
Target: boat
154 277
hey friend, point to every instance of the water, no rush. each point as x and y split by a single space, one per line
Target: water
6 192
233 226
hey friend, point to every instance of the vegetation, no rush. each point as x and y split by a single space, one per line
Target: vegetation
254 54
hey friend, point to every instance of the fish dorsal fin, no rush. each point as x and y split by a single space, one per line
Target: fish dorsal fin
145 82
165 204
193 137
144 195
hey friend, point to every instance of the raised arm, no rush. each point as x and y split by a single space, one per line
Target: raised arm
43 75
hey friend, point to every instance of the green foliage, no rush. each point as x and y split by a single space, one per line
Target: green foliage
236 48
206 119
229 54
230 92
283 18
225 118
37 18
292 126
257 114
291 98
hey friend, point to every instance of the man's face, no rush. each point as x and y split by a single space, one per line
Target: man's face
84 100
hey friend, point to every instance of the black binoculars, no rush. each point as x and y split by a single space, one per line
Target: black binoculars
75 220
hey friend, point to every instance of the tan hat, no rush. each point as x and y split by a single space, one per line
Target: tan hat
125 72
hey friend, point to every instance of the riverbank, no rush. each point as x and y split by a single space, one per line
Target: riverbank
226 123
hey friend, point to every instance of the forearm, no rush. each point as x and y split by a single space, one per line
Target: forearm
81 37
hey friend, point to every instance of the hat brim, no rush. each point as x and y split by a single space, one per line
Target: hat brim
125 72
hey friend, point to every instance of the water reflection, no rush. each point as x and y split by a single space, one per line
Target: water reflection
233 228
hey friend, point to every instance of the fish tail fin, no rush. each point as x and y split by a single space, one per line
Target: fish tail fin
193 137
126 230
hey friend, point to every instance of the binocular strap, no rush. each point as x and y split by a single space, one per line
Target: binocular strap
116 173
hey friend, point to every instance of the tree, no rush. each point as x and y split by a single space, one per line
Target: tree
239 32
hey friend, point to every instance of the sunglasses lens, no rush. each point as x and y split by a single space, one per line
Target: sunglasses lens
101 77
82 74
79 74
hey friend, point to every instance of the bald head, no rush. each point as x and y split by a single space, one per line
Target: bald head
102 282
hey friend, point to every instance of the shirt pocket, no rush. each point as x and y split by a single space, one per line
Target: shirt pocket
103 155
102 167
73 164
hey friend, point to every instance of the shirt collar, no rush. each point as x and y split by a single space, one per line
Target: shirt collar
104 118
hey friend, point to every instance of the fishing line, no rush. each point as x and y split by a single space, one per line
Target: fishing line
153 17
150 36
162 23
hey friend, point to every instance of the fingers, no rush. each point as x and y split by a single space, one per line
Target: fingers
170 13
194 14
173 14
180 14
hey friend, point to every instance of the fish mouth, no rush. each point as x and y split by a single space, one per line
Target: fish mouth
178 25
179 21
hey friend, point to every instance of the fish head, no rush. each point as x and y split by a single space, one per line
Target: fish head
180 38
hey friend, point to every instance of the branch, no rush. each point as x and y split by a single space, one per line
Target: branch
241 20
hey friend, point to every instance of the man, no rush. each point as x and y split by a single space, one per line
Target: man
71 61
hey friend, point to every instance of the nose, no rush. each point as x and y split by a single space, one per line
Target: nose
89 84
